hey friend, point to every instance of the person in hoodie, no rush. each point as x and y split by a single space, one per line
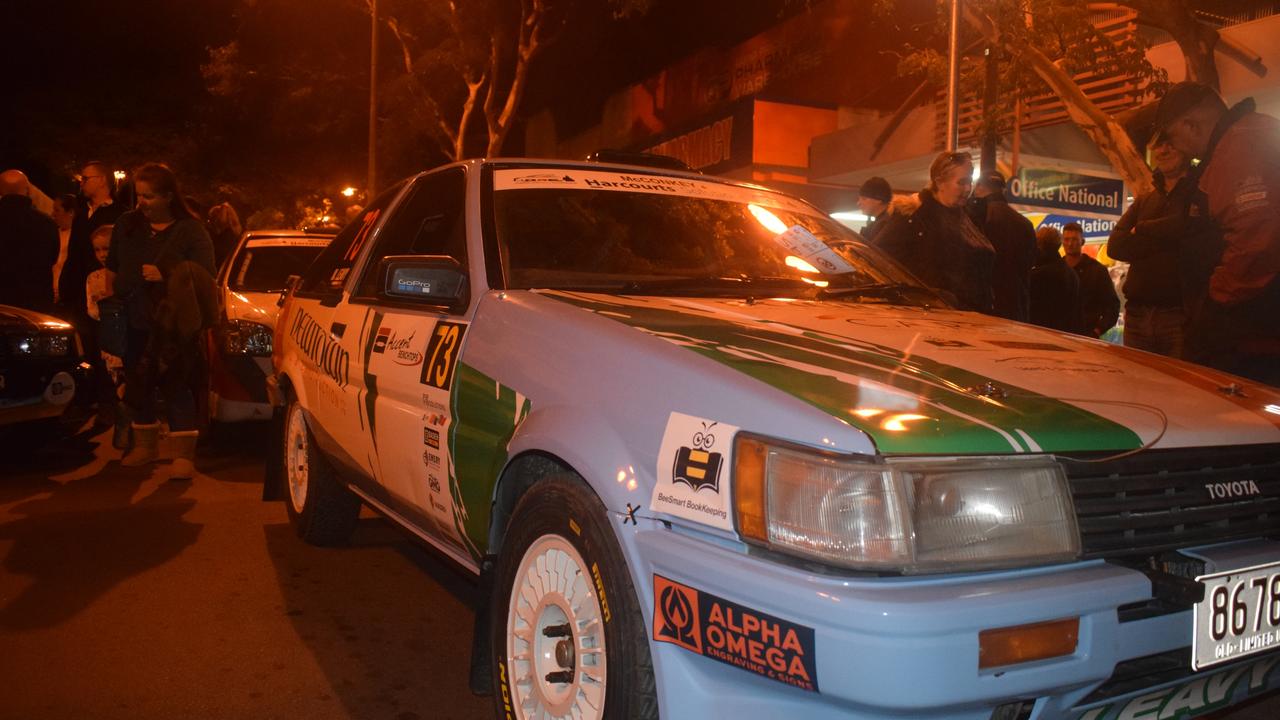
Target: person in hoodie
931 235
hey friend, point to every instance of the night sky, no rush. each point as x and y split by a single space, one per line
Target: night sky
78 71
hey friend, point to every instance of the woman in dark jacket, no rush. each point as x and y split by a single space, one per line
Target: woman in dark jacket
934 238
147 246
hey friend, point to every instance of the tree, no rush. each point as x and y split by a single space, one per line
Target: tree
1046 44
478 68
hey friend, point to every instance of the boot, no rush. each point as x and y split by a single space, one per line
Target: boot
122 436
145 445
183 446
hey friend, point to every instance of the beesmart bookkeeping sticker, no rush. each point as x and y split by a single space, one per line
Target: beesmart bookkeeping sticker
734 634
693 471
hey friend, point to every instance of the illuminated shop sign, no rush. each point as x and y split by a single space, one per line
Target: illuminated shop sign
1067 191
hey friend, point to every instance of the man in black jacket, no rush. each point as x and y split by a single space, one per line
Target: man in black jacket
1157 236
1099 304
873 200
28 246
1054 295
1014 239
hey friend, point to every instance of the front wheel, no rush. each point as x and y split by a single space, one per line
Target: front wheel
320 508
568 637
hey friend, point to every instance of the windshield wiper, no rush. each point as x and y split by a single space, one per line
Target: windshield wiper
893 292
716 285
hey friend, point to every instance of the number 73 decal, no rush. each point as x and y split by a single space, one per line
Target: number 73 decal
442 354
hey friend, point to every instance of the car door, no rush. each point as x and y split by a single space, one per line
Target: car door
407 357
325 333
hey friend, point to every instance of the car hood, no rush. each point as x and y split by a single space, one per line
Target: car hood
256 307
16 319
927 381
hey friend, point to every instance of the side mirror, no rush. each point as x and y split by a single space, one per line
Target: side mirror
433 279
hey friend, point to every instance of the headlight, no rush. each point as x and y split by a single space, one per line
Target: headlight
41 345
912 516
242 337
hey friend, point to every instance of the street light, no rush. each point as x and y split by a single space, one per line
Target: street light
348 191
953 80
373 96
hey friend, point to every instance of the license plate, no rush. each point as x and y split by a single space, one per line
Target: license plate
1239 615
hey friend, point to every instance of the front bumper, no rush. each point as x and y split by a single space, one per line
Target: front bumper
908 647
57 388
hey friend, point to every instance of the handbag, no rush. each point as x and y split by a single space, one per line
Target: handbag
113 325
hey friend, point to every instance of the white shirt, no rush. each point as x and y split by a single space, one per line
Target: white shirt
64 236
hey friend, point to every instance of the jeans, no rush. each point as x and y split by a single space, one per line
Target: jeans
1155 328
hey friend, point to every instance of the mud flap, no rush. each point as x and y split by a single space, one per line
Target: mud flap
273 477
481 680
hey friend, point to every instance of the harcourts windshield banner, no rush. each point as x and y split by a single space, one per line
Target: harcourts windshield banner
1066 191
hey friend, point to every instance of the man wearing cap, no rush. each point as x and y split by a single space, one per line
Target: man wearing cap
1014 239
1238 328
873 201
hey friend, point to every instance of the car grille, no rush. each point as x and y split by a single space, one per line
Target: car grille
1158 500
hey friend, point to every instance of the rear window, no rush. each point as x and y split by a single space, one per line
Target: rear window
264 265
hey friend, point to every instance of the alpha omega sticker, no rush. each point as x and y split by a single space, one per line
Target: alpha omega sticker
734 634
693 470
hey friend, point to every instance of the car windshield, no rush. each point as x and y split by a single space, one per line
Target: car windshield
614 232
264 265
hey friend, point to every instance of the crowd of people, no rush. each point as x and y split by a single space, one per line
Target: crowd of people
1203 247
137 284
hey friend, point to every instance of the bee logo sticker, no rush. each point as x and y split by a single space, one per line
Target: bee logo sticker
692 463
697 466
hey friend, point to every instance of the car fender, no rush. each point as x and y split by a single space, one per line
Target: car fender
586 442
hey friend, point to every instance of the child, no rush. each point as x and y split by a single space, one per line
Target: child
97 286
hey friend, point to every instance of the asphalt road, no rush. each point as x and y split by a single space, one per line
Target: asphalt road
124 595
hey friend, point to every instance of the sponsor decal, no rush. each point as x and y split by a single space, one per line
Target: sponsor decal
434 483
697 466
1025 345
1232 490
432 404
1031 363
434 419
734 634
431 458
691 463
442 352
315 241
431 438
546 177
389 342
604 600
944 343
61 389
799 241
314 342
1188 699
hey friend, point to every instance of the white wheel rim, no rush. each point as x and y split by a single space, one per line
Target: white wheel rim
552 590
297 468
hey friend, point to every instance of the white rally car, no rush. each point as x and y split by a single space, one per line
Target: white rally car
249 284
716 457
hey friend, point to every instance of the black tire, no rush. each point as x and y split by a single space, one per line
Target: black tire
557 513
322 510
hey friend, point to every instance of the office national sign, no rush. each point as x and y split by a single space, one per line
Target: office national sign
1067 191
